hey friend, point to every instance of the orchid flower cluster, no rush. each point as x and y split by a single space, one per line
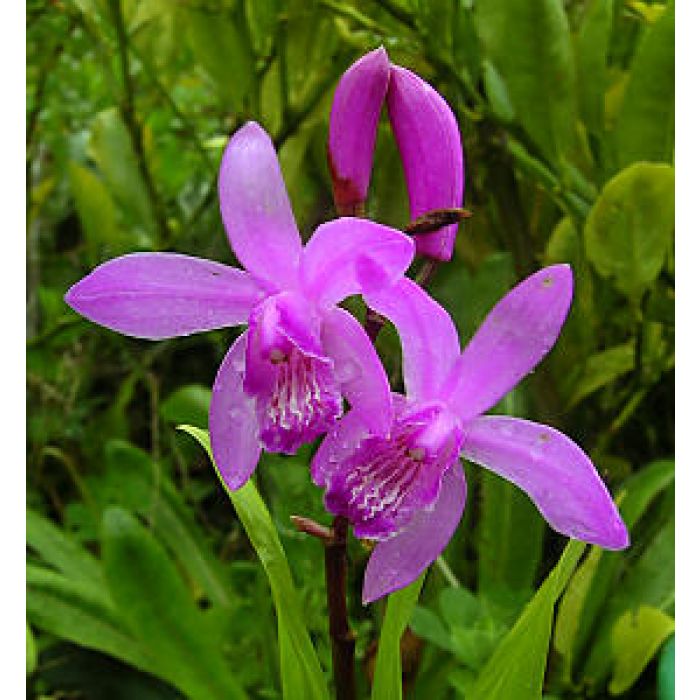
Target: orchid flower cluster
391 463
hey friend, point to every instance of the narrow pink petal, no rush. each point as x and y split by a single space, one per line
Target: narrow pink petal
518 332
429 142
255 208
429 341
397 562
161 295
329 262
233 427
358 369
339 443
357 105
554 472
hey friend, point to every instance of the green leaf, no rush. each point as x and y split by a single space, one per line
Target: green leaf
57 549
98 216
301 672
188 404
160 611
667 671
110 147
589 589
32 655
73 611
516 669
223 51
645 124
636 638
630 227
426 624
601 369
387 671
459 607
591 45
497 92
529 43
510 533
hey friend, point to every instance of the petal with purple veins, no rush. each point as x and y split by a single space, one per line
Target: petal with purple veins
554 472
518 332
352 131
162 295
430 145
329 262
233 426
255 208
397 562
429 341
357 368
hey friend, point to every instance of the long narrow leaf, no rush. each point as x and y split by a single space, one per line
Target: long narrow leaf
297 655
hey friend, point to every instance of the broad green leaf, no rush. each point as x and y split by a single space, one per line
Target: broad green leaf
601 369
32 654
262 20
516 669
188 404
497 92
426 624
591 44
510 533
98 216
73 611
302 676
110 147
459 607
159 610
222 48
132 482
630 228
636 638
387 671
66 555
667 671
590 586
529 43
650 581
645 124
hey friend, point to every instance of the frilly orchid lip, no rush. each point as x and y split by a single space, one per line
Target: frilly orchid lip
407 490
281 384
426 133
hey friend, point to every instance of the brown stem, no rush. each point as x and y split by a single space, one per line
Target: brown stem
342 637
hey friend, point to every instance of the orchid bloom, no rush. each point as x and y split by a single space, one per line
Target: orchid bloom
407 490
426 133
281 383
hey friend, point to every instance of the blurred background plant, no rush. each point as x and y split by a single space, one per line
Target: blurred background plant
141 581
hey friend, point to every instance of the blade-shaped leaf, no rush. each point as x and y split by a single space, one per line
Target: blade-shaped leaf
298 658
516 669
387 670
160 611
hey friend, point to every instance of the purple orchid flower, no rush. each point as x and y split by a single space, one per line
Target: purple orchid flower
407 490
281 384
426 133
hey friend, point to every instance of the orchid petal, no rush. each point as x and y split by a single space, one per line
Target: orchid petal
398 561
340 442
518 332
329 263
255 208
161 295
554 472
352 131
429 142
235 441
429 340
358 369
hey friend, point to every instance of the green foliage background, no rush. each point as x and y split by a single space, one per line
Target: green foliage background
142 582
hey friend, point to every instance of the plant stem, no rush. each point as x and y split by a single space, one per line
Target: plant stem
342 637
